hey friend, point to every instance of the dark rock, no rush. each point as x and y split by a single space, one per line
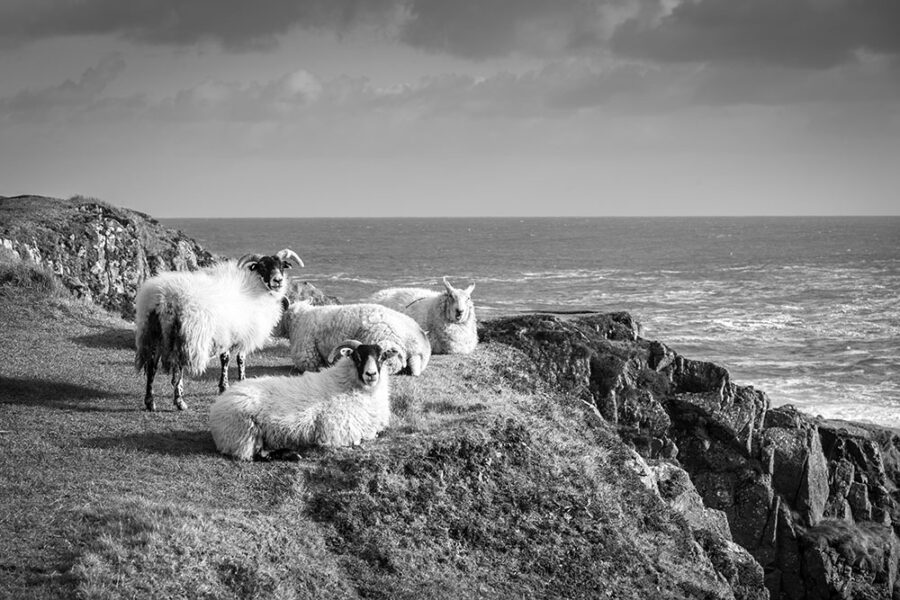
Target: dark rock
775 473
847 561
303 290
799 470
100 252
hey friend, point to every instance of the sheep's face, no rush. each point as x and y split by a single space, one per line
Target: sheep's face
271 270
458 306
369 359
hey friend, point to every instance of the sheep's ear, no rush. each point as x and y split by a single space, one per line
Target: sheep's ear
345 348
470 289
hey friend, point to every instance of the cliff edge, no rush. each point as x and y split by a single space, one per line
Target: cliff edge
568 457
98 251
814 501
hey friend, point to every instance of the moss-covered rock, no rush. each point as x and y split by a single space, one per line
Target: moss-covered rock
100 252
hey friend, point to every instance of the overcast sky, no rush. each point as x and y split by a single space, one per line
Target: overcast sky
454 107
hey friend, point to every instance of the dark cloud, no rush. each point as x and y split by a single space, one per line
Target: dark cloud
491 28
236 24
804 33
469 28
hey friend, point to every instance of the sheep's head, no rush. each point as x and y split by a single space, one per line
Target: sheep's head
368 359
271 268
458 307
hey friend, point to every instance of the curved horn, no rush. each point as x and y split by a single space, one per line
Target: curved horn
338 350
247 259
288 254
447 284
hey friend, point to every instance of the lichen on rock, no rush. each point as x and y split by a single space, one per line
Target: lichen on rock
100 252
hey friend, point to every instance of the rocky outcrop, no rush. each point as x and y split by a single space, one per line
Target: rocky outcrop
813 502
99 252
299 291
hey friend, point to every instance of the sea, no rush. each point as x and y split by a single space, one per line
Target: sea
806 309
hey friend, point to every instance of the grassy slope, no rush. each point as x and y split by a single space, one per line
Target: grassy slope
481 487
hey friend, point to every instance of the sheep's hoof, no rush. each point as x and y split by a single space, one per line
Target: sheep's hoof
262 456
288 455
180 404
150 404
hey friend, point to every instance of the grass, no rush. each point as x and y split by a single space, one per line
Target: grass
485 485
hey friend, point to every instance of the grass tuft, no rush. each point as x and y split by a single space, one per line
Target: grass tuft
17 277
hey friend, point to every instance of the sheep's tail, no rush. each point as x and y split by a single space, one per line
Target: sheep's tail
147 342
178 341
192 339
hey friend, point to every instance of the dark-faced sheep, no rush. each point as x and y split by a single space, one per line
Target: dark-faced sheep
184 318
342 405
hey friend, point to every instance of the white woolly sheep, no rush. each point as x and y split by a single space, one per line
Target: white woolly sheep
184 318
314 330
448 317
339 406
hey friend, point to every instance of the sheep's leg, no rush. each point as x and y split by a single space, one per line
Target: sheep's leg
242 368
223 376
415 365
178 387
148 394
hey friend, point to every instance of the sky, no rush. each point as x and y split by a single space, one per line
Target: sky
315 108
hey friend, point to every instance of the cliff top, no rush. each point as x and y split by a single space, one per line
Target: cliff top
485 485
566 457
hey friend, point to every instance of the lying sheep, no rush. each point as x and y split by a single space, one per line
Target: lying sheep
184 318
314 330
448 317
339 406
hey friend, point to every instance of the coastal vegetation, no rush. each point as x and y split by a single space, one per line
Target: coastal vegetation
486 484
566 457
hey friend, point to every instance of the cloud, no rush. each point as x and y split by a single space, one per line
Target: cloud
67 96
235 24
558 89
475 29
481 29
800 33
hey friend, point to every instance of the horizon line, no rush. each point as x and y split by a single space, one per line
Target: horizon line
521 217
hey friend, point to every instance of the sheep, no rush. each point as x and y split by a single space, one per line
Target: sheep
448 317
339 406
183 318
314 330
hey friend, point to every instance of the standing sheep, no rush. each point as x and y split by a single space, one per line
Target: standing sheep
339 406
184 318
314 330
448 317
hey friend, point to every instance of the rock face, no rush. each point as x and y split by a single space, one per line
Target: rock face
813 502
100 252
